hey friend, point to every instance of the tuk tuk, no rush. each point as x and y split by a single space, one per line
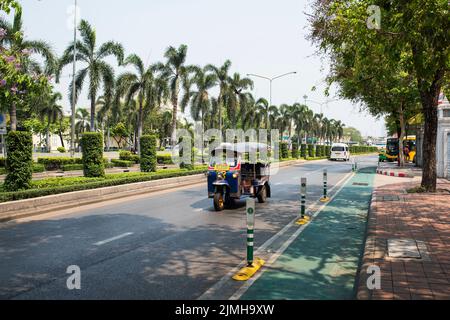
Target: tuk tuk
231 176
382 155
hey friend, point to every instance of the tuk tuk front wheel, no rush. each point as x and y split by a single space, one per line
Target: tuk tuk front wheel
262 195
219 202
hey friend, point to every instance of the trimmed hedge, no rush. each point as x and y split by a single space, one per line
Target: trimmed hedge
184 165
122 163
362 149
57 163
311 153
72 167
92 146
164 158
284 150
303 149
295 153
19 162
148 153
111 180
328 151
129 156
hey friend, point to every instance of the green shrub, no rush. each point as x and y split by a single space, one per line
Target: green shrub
2 162
61 149
295 153
19 162
184 165
92 146
284 150
122 163
311 153
56 163
303 149
129 156
62 185
317 151
164 158
37 168
148 153
72 167
327 151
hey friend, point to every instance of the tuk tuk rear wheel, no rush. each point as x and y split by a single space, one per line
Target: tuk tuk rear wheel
219 203
262 195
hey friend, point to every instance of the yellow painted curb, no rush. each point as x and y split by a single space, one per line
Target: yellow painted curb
303 221
326 199
247 272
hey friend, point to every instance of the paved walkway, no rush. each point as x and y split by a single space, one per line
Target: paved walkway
322 263
422 218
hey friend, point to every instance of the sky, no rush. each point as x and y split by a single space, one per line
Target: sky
264 37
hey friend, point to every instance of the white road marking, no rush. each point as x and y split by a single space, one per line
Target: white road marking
215 288
113 239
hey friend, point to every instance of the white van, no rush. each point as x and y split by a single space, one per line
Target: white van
340 151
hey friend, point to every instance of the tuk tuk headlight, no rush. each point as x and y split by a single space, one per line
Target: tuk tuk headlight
235 175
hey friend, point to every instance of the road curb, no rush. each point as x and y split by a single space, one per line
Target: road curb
393 174
29 207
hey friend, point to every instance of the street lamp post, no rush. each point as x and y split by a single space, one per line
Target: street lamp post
72 133
319 103
271 81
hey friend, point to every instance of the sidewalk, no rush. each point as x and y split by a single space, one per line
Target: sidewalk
422 271
322 262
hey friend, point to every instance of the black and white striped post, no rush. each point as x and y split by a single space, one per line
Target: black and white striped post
250 229
325 186
303 198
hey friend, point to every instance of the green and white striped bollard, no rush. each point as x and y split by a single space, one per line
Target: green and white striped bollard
250 229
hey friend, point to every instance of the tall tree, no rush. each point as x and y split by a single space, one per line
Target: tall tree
20 48
225 94
238 98
200 100
96 68
415 31
145 87
176 72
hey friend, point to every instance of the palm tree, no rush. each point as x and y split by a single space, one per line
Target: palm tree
224 87
48 109
16 42
96 69
144 86
82 122
176 72
254 115
200 100
238 97
299 116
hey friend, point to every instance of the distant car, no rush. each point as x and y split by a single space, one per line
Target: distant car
340 151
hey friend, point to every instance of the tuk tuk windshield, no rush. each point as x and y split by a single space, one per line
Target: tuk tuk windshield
215 160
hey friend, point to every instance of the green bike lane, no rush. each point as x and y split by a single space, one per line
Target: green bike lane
322 262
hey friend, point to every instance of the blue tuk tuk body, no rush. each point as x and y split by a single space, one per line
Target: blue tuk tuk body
230 178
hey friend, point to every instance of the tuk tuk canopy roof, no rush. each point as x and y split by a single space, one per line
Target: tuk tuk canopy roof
243 147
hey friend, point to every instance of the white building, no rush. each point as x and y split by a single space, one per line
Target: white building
443 138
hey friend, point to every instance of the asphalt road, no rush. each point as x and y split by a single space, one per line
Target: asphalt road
169 245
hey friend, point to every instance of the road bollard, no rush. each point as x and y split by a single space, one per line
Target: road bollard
253 264
303 198
250 229
325 185
303 217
